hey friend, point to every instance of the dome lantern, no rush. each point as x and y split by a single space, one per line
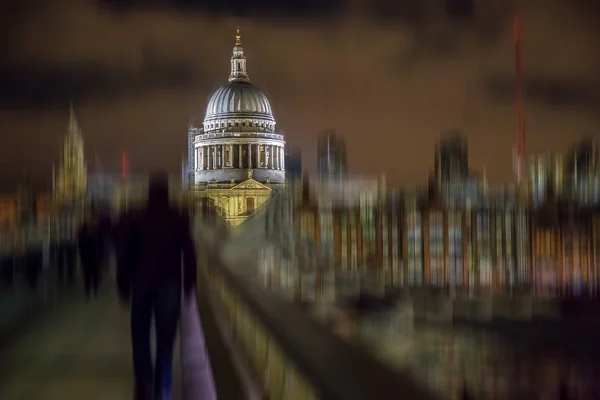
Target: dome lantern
238 60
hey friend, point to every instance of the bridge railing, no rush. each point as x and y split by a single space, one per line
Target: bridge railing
291 355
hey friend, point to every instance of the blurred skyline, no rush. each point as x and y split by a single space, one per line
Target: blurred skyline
389 76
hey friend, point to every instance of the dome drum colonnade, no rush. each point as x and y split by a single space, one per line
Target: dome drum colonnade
237 139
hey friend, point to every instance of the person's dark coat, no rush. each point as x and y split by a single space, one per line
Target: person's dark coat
153 243
89 245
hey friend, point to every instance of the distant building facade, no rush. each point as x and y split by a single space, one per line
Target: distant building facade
331 156
293 163
473 238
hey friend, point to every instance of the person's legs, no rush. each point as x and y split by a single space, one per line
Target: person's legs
60 264
87 278
95 278
166 317
142 302
71 261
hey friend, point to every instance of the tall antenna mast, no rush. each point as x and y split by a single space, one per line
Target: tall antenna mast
124 165
519 102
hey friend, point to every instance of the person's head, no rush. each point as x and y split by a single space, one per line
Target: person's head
91 216
158 188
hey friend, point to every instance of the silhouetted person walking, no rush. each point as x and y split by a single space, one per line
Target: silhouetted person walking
466 395
89 253
67 259
104 236
563 391
151 246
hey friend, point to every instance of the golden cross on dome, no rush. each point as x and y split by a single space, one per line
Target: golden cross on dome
238 37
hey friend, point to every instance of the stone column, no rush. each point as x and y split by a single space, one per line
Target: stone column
240 160
281 149
196 165
222 156
207 157
272 156
261 153
213 150
257 155
267 155
276 156
230 155
249 156
209 163
273 166
281 158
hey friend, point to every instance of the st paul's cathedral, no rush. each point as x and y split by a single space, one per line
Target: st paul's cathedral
236 158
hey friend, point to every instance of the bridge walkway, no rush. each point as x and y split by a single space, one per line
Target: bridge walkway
79 349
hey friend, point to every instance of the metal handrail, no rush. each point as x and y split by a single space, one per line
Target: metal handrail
330 367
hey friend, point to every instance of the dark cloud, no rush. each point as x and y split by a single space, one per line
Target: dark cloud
558 91
259 8
41 87
407 11
460 9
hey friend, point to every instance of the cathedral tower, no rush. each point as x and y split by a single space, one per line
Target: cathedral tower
71 179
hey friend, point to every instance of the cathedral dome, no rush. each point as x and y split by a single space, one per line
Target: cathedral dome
238 98
237 140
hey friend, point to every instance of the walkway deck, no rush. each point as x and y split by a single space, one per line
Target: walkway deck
79 350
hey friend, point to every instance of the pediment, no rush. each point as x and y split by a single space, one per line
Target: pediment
251 184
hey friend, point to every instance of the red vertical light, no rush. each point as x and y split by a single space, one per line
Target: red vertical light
124 166
519 99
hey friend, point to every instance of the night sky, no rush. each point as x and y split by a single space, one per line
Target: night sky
388 75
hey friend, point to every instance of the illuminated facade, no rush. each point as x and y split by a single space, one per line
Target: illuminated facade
70 181
418 241
237 157
582 173
456 237
546 175
566 247
8 210
472 238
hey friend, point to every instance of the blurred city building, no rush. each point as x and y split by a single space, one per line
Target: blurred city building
331 156
293 164
546 174
459 234
582 173
451 180
8 210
